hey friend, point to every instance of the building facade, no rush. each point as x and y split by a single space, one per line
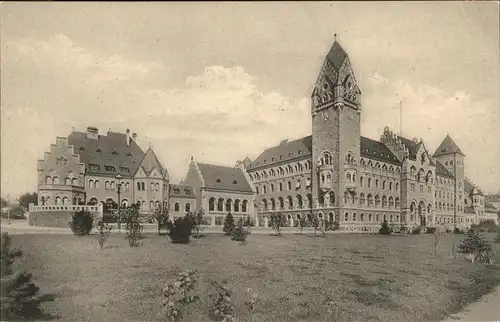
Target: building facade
338 175
335 173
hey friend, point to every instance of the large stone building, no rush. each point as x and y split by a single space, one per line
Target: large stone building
339 175
335 173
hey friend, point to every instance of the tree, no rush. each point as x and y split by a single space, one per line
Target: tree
303 223
228 224
161 217
317 223
27 198
277 221
477 248
385 229
4 203
198 221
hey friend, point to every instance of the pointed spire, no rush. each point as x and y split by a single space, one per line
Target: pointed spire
335 36
448 146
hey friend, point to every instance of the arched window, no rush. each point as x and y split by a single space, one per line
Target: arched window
281 186
349 158
383 185
369 182
377 201
272 187
299 201
151 186
328 178
211 204
68 181
362 217
346 216
361 181
56 180
157 187
290 202
332 197
127 186
220 204
228 205
244 206
397 202
391 202
289 185
384 201
369 217
74 182
354 217
237 205
48 180
264 201
347 197
370 200
309 200
273 204
176 207
376 183
112 185
362 199
397 186
187 207
390 186
106 185
91 183
58 200
413 171
65 201
281 203
264 189
348 177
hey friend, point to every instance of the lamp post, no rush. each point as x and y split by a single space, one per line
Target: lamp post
118 190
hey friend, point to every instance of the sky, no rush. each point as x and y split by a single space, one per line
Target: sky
221 81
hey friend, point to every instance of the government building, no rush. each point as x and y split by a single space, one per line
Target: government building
335 173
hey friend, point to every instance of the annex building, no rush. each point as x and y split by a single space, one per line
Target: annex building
335 173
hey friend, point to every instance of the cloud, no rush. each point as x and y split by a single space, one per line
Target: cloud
431 113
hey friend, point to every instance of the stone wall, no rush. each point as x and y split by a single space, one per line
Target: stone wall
56 219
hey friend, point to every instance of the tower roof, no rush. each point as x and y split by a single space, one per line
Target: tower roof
336 55
150 162
448 146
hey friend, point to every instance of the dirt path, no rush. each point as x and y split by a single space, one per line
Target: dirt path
486 309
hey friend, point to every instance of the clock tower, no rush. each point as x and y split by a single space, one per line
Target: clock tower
335 112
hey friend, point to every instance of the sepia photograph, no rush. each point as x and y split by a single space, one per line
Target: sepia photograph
250 161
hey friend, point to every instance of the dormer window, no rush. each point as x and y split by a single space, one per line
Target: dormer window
109 168
129 154
234 182
114 153
218 180
300 152
290 154
82 148
98 151
272 159
281 157
265 161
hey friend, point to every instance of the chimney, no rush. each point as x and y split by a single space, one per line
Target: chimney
92 133
127 132
134 136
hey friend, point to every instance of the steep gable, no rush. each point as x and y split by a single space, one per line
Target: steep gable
152 166
448 146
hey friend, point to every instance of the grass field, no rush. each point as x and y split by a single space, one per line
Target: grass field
366 277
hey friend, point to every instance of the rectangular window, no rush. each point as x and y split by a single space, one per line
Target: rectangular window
94 167
109 168
124 169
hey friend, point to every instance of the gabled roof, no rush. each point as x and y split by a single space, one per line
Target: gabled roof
468 187
224 178
336 55
283 152
448 146
442 171
150 162
412 147
182 191
108 150
376 150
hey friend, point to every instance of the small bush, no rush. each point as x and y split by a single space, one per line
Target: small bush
131 218
222 307
180 230
228 224
240 233
176 295
476 246
81 222
103 232
277 221
430 230
385 229
416 231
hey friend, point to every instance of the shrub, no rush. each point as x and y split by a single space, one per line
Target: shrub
228 224
385 229
457 231
81 222
240 233
336 225
486 226
161 217
103 232
430 230
180 230
20 298
416 231
222 307
198 221
176 297
277 221
132 224
476 246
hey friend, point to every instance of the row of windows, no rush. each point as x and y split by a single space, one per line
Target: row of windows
370 218
227 205
282 170
371 201
445 194
390 186
413 188
187 207
447 207
421 175
141 186
55 180
377 165
280 186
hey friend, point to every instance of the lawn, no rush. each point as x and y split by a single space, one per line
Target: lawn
297 278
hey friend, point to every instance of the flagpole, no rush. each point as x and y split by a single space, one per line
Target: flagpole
401 118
